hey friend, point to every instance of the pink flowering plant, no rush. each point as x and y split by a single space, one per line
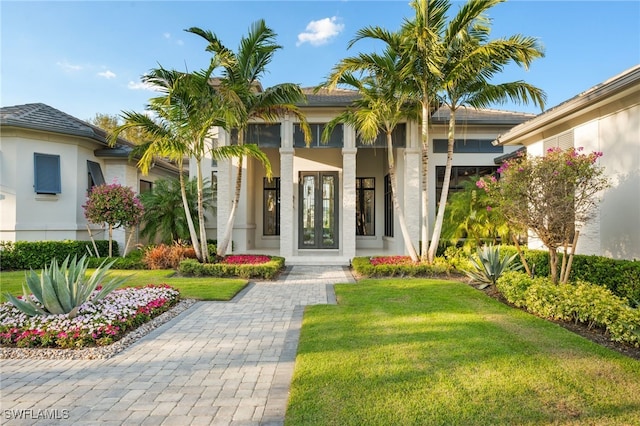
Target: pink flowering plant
245 259
115 205
392 260
97 323
550 195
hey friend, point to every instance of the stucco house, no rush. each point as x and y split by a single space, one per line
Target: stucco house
48 162
605 118
330 202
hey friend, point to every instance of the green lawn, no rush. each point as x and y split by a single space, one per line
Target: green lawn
429 352
190 288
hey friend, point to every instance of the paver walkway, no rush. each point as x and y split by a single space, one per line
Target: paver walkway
218 363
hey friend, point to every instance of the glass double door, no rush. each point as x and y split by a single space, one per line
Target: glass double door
318 207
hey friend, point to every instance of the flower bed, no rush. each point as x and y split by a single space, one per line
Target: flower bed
96 324
243 266
398 266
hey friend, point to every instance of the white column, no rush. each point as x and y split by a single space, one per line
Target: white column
411 202
287 202
225 185
348 219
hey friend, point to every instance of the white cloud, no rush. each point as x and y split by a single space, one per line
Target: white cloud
133 85
320 32
66 66
107 74
180 43
166 35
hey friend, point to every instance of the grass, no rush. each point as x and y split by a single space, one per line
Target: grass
417 352
201 288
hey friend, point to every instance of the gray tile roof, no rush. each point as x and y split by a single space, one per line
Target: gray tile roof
45 118
341 98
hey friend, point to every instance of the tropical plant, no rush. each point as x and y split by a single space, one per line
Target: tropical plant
552 196
115 205
470 62
487 265
384 102
164 214
179 124
62 289
470 219
240 86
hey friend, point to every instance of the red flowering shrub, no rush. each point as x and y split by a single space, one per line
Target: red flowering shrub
392 260
245 259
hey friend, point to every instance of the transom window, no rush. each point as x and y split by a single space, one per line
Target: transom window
365 206
467 146
398 137
336 140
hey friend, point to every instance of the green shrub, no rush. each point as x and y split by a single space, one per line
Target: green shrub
269 270
133 260
582 302
363 266
21 255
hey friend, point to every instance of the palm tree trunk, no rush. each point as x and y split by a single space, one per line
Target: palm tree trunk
424 226
187 212
228 232
203 231
396 204
437 227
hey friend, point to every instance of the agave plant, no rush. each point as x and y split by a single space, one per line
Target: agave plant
487 265
63 289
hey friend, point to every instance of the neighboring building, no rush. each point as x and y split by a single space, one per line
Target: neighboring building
605 118
49 160
331 202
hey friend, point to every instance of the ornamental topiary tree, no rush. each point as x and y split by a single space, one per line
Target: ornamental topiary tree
115 205
552 196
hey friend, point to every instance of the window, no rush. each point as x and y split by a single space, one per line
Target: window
336 140
261 134
388 207
271 206
95 174
398 137
145 186
467 146
46 170
365 206
214 194
459 175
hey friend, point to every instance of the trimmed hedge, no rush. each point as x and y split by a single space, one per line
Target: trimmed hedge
581 302
363 266
622 277
133 260
36 254
269 270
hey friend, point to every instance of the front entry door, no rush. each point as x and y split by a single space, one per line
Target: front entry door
318 224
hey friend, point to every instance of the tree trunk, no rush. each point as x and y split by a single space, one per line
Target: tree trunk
437 227
203 231
396 204
521 254
573 250
424 226
110 240
553 264
228 232
187 212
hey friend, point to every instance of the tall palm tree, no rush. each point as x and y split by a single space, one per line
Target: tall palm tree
178 124
382 105
240 85
471 60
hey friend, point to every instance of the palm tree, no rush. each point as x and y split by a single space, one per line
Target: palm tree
240 85
471 60
383 104
178 124
164 214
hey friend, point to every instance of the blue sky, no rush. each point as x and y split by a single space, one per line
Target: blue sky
86 57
